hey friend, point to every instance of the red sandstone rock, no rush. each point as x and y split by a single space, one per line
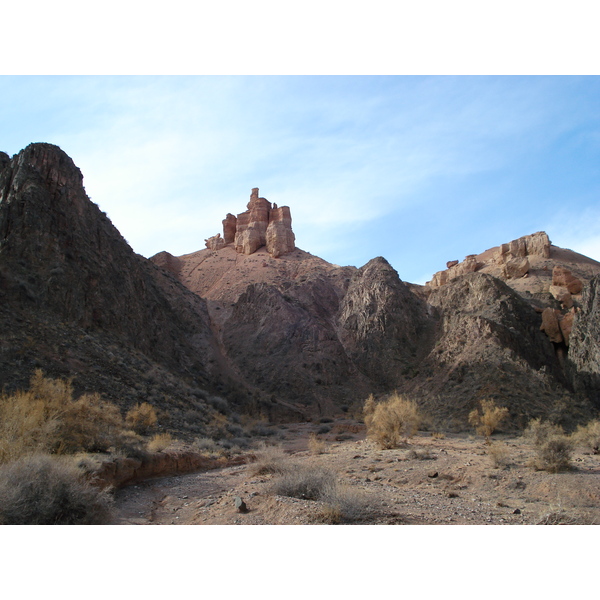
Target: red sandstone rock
280 237
229 228
251 231
566 325
216 242
562 277
550 325
515 268
562 294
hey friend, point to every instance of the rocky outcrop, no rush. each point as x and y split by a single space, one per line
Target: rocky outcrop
510 259
536 244
229 228
562 277
251 228
97 311
280 238
584 351
383 326
216 242
260 225
488 345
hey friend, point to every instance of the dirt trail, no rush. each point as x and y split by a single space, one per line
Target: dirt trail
431 481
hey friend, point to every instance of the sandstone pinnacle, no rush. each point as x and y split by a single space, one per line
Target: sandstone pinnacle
261 225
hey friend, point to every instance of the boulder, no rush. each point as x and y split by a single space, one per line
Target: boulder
550 325
216 242
562 277
562 294
515 268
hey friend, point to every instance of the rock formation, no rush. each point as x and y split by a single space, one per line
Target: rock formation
278 331
509 260
75 300
584 350
260 225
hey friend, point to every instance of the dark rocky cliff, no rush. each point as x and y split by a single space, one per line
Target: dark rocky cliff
77 301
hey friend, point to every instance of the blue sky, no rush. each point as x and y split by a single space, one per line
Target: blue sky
418 169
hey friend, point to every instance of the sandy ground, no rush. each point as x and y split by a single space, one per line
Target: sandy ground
452 480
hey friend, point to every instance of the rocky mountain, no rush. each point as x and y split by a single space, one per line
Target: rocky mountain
75 299
274 330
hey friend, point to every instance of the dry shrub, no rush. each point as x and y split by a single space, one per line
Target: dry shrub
141 418
538 431
269 460
392 421
343 504
340 503
553 448
486 419
159 442
306 483
588 436
554 455
499 456
47 419
316 445
44 490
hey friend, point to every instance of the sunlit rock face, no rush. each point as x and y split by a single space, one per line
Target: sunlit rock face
262 225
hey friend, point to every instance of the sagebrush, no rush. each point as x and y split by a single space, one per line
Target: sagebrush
45 490
392 421
553 448
487 418
47 418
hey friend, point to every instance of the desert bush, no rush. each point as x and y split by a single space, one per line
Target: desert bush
552 447
316 445
159 442
499 456
305 482
588 436
392 421
554 454
538 431
486 419
44 490
342 504
46 418
269 459
141 418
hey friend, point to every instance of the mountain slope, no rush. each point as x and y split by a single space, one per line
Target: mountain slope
77 301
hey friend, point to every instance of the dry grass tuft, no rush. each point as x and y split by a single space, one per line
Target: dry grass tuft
316 445
499 456
269 460
486 419
391 422
44 490
159 442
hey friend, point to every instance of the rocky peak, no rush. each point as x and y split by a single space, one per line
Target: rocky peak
510 261
262 224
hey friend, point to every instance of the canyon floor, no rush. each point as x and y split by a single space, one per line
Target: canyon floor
452 480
